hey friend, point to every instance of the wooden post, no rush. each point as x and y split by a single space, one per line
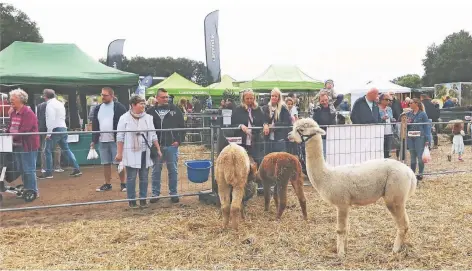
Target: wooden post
403 137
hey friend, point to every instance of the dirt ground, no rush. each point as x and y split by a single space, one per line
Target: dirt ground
188 235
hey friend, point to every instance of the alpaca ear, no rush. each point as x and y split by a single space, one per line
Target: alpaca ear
320 131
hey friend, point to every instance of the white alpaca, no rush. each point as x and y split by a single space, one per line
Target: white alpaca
352 185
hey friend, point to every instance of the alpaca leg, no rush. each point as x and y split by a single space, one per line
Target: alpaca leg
298 187
266 185
401 219
224 191
276 197
238 194
282 191
342 229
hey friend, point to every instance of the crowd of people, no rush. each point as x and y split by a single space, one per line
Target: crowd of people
138 147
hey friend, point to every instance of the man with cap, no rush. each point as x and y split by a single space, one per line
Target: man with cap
334 99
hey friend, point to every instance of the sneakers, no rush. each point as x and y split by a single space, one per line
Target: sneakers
108 187
132 204
58 170
174 199
143 203
45 176
75 173
104 187
154 200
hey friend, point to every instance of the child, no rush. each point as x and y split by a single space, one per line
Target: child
457 141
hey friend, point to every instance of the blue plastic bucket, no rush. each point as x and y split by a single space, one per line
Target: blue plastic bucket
198 170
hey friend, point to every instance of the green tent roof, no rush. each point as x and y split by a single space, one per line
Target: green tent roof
225 83
176 84
57 64
283 77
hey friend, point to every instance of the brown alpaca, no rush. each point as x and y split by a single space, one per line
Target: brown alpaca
235 174
280 168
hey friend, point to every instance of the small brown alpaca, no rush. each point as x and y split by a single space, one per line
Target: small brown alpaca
281 168
235 175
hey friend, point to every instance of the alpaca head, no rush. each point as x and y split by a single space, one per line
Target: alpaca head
305 129
251 186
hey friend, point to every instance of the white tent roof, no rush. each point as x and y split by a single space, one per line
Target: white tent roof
382 86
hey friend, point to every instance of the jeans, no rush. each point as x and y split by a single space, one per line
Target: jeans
60 139
170 155
26 164
57 155
416 148
131 173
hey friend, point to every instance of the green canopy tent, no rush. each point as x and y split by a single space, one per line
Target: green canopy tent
64 68
30 63
225 83
284 78
178 85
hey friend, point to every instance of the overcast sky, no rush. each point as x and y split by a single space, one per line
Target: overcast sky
349 41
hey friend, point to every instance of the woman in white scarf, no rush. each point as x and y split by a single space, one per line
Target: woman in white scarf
134 148
277 116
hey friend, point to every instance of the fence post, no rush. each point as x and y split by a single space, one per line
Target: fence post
212 197
403 137
212 142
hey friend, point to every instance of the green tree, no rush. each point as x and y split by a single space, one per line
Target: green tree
15 25
450 61
193 70
409 80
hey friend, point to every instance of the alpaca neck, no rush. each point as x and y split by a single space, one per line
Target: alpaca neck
314 157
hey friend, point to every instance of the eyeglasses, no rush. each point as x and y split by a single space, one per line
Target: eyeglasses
388 100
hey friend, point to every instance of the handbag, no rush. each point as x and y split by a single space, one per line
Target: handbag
154 154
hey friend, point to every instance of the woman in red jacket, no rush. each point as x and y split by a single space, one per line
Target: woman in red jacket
25 147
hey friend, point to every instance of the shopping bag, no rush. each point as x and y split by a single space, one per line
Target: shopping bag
426 155
120 167
92 155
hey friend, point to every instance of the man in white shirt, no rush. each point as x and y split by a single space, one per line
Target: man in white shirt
105 118
56 122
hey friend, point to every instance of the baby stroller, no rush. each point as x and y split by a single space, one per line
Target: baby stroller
10 174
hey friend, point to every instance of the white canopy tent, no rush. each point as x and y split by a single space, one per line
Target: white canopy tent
381 85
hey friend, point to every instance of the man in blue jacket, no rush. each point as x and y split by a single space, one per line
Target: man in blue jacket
365 110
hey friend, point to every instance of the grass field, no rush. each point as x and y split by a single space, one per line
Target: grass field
188 235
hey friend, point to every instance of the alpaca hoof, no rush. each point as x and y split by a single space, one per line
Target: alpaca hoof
341 255
397 249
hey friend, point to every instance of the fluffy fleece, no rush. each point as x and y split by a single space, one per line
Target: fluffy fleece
235 174
351 185
280 168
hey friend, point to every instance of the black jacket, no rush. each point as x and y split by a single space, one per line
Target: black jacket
172 118
431 110
41 114
240 116
397 109
361 113
324 117
118 110
284 120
